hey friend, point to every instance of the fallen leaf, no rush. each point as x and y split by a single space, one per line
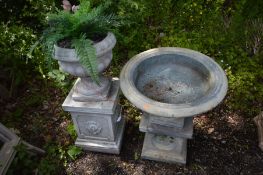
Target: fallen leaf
210 130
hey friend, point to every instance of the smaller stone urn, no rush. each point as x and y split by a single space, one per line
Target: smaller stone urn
85 87
94 108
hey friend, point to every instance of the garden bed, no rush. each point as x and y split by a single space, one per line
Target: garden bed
224 142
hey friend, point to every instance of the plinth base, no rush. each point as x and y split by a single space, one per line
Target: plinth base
99 124
146 125
112 147
164 148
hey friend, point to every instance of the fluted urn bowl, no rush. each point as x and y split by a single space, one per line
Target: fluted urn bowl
173 82
85 88
69 62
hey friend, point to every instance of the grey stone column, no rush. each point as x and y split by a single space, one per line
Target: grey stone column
99 124
165 138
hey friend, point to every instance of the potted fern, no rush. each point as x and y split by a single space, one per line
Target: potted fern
79 38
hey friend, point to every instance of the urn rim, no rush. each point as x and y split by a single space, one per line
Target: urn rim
206 103
102 47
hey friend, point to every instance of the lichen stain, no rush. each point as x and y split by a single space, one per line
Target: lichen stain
146 106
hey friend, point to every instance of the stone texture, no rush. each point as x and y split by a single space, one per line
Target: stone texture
164 148
167 128
259 123
173 82
104 145
97 107
99 124
85 88
166 121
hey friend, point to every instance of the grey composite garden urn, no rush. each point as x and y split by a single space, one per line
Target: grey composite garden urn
171 85
94 108
85 87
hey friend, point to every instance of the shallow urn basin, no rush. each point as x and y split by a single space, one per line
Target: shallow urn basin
173 82
170 86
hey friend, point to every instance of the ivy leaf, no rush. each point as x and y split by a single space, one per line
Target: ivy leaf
73 152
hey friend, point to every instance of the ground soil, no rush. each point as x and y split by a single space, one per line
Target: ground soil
224 141
66 42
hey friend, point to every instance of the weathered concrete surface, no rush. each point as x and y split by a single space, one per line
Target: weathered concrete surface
105 107
85 88
168 128
107 145
167 121
173 82
164 148
99 124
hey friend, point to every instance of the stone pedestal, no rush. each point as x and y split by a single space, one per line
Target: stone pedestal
166 138
99 124
172 84
164 148
86 89
181 127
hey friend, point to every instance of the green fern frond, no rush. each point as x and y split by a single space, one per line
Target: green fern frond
48 47
94 21
87 56
61 22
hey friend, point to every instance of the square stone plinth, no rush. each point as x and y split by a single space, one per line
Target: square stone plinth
99 124
105 146
167 127
164 148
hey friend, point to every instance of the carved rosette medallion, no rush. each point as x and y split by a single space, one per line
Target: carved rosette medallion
163 142
92 128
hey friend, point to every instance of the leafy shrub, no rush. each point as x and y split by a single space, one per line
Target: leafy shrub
15 65
20 22
245 85
25 12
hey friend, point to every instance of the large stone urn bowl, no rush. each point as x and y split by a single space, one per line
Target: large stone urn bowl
85 88
173 82
170 86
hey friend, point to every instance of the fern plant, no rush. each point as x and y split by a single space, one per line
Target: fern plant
79 28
